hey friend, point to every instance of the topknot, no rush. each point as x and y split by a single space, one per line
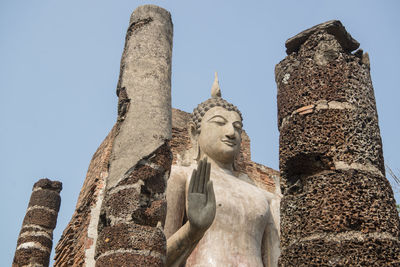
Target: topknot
215 101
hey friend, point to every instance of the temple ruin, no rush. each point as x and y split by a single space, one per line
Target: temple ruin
337 209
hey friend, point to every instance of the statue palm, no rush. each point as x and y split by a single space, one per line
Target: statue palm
201 199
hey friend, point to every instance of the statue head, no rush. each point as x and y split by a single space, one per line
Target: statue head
216 127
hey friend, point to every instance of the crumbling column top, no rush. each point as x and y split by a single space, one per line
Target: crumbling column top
142 12
334 27
48 184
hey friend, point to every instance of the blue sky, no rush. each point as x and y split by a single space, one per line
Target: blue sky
59 66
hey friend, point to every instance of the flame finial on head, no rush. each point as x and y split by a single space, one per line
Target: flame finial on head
215 90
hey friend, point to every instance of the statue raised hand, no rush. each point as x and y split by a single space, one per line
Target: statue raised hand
201 198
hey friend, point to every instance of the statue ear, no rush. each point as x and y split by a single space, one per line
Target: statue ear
194 135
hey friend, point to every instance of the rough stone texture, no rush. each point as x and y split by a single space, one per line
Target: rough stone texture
333 27
355 251
127 258
145 77
336 202
36 237
329 136
140 158
132 237
338 208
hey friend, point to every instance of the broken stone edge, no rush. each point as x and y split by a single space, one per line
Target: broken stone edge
334 27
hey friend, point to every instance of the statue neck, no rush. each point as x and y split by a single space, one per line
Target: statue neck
217 165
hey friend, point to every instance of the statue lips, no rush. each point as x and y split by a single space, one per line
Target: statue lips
229 142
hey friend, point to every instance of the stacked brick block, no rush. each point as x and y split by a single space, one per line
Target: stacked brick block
36 237
338 208
130 227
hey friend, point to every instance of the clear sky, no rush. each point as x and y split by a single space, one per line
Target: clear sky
59 66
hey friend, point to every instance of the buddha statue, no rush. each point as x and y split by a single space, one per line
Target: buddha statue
217 216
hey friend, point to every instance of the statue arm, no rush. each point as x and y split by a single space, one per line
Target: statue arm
271 242
181 240
176 200
181 244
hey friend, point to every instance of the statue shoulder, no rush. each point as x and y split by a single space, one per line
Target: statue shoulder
180 174
245 178
272 197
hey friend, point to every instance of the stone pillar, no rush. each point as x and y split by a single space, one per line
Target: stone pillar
134 207
338 208
36 237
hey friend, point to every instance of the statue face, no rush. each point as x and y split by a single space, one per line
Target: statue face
220 134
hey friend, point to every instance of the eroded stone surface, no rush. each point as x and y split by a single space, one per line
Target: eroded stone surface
343 79
368 251
338 208
145 77
314 142
140 159
36 237
333 27
337 202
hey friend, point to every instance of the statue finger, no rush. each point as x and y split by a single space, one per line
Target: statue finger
207 176
192 180
202 176
197 177
210 194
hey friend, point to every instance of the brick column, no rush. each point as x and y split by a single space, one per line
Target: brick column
134 207
36 237
338 208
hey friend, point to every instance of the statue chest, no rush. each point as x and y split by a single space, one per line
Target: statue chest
240 205
235 236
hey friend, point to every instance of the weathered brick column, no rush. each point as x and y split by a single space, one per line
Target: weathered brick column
36 237
338 208
134 207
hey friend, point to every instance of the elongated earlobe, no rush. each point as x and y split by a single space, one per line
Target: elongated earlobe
194 134
234 164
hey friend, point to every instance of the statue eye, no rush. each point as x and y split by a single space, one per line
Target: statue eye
237 125
218 120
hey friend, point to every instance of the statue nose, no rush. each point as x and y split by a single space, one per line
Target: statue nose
230 132
230 136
